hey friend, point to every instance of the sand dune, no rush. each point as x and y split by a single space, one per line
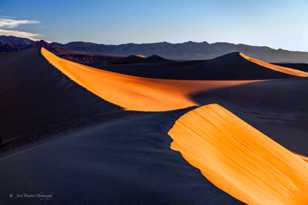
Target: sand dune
298 66
118 157
277 108
282 69
135 93
227 67
124 160
239 159
37 100
34 97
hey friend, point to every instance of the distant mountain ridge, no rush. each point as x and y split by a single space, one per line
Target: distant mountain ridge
11 43
176 51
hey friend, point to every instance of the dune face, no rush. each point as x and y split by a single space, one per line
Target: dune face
228 67
299 66
38 100
105 156
125 160
122 157
239 159
278 68
135 93
278 108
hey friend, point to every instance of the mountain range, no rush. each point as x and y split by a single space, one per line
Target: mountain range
176 51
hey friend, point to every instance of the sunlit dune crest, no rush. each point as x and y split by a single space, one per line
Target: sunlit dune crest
303 157
140 55
239 159
135 93
282 69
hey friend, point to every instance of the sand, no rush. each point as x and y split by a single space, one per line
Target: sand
239 159
109 155
278 108
282 69
228 67
136 93
34 97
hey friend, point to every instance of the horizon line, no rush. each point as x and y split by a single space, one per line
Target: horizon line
157 42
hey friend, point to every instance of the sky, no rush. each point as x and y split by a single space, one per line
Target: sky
273 23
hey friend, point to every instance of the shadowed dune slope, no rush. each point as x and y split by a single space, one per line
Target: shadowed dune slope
239 159
298 66
125 160
228 67
37 99
135 93
278 68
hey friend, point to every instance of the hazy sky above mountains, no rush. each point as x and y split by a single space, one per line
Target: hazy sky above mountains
275 23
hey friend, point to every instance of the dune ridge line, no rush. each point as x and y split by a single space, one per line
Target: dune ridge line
136 93
278 68
233 155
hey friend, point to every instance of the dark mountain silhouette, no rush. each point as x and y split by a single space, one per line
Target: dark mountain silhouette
190 50
176 51
11 43
15 40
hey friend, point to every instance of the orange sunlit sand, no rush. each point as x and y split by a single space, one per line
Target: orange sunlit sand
239 159
282 69
234 156
136 93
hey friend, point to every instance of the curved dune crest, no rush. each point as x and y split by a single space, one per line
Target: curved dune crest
282 69
239 159
135 93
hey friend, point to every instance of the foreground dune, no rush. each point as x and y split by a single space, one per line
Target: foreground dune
135 93
239 159
278 68
123 159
